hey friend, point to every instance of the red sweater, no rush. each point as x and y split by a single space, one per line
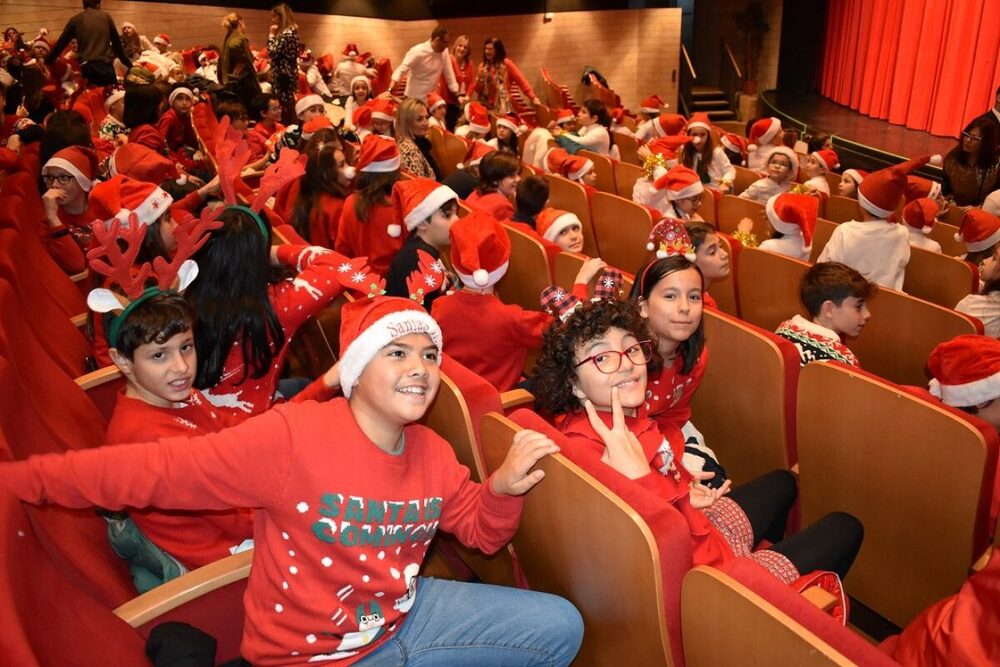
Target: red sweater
668 396
193 538
493 204
176 130
371 238
340 530
324 220
150 137
294 302
258 136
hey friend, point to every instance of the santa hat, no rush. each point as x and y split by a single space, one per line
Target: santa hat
41 41
306 101
417 199
477 151
794 214
478 117
314 125
680 182
361 78
920 214
378 155
350 50
552 221
735 144
111 95
856 175
918 187
792 158
669 124
763 132
827 159
480 250
208 56
699 120
163 38
116 198
559 161
383 109
979 230
512 122
565 116
142 164
180 90
880 192
80 162
668 146
363 115
651 104
433 101
368 325
965 370
669 238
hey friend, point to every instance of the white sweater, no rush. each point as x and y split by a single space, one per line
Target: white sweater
878 250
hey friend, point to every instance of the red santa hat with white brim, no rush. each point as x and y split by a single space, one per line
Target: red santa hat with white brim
669 238
965 370
378 155
881 191
477 151
856 175
680 182
979 230
553 221
183 90
794 214
699 120
143 164
163 38
651 104
792 158
121 196
827 159
368 325
734 143
920 214
417 199
512 123
305 102
314 125
564 116
669 124
480 250
80 162
434 101
383 109
918 187
111 95
361 78
763 132
478 117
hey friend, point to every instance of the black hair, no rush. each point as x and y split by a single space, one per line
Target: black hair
688 153
232 302
647 278
91 4
156 320
555 373
512 145
597 109
371 188
988 147
532 195
698 232
142 105
499 50
817 141
261 103
832 281
493 168
439 32
232 108
65 128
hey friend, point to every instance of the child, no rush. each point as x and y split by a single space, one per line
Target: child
370 226
465 179
141 116
428 210
477 125
69 176
782 165
112 127
980 231
684 193
561 228
985 305
649 109
836 297
437 108
594 133
793 218
765 136
711 256
592 372
308 107
735 147
508 127
573 168
175 124
383 117
708 160
267 109
815 169
664 125
208 65
361 94
322 589
532 196
849 182
919 217
323 191
499 174
876 247
964 375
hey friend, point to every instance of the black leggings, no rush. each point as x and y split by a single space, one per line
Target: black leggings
832 543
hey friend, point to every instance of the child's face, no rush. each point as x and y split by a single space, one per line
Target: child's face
360 91
712 259
850 317
399 384
439 112
436 230
989 268
182 104
570 239
315 111
161 374
571 125
273 113
584 117
847 187
689 205
699 136
590 178
383 127
504 133
630 378
167 225
508 186
674 306
117 110
779 168
812 167
60 179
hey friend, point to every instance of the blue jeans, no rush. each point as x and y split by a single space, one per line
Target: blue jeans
454 623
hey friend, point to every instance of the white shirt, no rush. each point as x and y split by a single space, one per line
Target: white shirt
985 308
209 71
877 249
644 130
757 160
790 245
425 67
763 189
818 184
316 82
593 138
719 169
344 73
920 240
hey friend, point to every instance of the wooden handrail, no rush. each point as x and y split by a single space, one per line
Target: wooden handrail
732 59
687 60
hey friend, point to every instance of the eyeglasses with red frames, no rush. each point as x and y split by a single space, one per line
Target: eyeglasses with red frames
610 361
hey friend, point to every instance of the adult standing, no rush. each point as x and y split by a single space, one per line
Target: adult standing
971 169
495 77
426 63
283 47
236 70
461 65
98 44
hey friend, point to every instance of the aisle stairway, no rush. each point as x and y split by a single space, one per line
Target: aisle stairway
713 102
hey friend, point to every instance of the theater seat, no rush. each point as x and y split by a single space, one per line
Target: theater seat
626 174
938 278
604 169
528 273
843 209
569 196
622 229
724 291
821 236
732 209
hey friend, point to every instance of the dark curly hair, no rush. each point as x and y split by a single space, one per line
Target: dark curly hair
554 375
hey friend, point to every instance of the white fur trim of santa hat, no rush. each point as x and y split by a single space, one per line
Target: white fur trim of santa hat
382 166
775 219
699 123
587 165
976 246
438 197
162 39
114 97
970 393
481 278
855 175
63 163
509 124
381 115
361 78
179 91
767 136
690 191
149 211
475 127
559 224
306 102
874 209
379 334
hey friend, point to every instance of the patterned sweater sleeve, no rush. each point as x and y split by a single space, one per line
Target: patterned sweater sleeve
315 285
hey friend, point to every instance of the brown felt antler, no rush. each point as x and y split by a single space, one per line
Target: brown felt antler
108 258
191 235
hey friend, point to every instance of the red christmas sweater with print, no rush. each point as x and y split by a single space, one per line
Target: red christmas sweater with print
341 526
370 238
193 538
668 396
295 302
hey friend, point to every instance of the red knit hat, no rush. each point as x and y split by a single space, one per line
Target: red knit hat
480 250
383 109
979 230
668 124
680 182
314 125
433 100
81 162
880 192
651 104
142 164
111 95
668 238
965 370
918 187
417 199
117 198
794 214
378 155
699 120
552 221
303 102
921 214
478 117
368 325
736 144
565 116
827 159
763 132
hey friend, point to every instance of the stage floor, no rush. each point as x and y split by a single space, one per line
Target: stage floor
871 136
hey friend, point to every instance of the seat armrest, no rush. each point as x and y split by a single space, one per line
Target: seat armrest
79 277
99 377
515 398
821 598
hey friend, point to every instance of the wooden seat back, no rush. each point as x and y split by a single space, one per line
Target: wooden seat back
622 229
768 287
821 236
733 126
628 148
938 278
455 149
744 177
545 115
870 449
708 209
843 209
569 196
953 216
626 174
528 273
568 264
732 209
605 171
944 234
833 180
724 291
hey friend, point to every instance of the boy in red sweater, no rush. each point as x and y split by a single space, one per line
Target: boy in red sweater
343 523
175 124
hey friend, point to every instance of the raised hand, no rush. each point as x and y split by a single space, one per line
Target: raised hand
622 450
513 477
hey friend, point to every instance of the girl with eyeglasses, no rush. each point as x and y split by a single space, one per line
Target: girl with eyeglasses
592 372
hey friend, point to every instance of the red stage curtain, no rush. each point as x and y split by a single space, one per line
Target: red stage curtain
930 65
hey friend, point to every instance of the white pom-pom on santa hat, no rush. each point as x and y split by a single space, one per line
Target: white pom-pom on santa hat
480 250
936 160
481 277
394 230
